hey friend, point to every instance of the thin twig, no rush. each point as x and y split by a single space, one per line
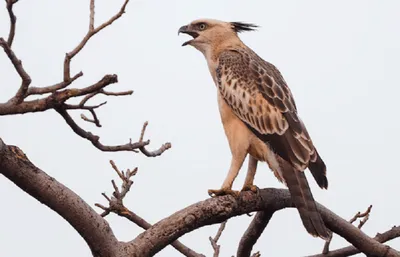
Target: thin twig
91 22
364 215
214 241
116 206
102 91
95 140
26 79
78 107
154 153
13 21
53 88
95 120
388 235
59 94
91 32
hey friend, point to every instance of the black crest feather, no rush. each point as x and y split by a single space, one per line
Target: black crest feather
242 26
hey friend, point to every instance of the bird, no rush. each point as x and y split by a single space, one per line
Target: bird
259 116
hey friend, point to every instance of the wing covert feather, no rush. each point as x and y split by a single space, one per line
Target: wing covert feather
259 96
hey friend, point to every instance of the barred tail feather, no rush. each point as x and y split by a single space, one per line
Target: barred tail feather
312 212
304 201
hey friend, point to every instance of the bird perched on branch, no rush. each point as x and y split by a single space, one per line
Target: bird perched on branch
259 116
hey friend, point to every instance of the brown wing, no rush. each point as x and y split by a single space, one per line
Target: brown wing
259 96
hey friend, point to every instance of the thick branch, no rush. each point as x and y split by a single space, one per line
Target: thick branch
351 250
253 232
15 166
219 209
183 249
92 227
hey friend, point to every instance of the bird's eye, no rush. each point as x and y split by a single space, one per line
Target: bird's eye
202 26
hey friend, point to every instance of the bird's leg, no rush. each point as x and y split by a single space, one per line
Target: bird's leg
236 164
251 172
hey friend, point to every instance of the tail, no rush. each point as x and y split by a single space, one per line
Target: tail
318 170
304 201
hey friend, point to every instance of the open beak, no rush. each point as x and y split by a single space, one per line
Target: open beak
186 30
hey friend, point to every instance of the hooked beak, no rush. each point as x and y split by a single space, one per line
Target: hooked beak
186 30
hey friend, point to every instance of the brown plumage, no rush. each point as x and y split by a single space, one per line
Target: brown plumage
259 116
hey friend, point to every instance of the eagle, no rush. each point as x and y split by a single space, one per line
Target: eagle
259 116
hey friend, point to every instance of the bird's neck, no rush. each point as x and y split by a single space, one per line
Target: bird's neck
219 47
212 54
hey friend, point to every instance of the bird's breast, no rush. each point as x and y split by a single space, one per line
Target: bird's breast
241 138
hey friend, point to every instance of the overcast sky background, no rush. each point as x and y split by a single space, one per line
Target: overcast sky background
340 59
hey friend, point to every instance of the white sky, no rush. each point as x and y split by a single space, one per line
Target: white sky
340 60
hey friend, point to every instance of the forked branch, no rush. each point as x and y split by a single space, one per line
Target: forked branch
364 216
116 205
59 94
91 32
214 241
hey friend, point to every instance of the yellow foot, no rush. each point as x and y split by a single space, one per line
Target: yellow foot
251 188
223 191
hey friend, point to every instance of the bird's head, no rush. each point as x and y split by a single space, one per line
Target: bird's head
207 33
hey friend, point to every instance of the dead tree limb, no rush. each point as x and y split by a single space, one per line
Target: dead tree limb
214 240
13 20
16 167
58 94
116 205
364 216
97 233
253 232
217 210
391 234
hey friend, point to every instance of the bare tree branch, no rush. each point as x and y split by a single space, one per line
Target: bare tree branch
16 167
13 20
214 241
391 234
92 227
53 88
95 140
91 23
155 153
59 95
102 91
91 32
221 208
95 120
364 215
117 206
253 232
26 79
